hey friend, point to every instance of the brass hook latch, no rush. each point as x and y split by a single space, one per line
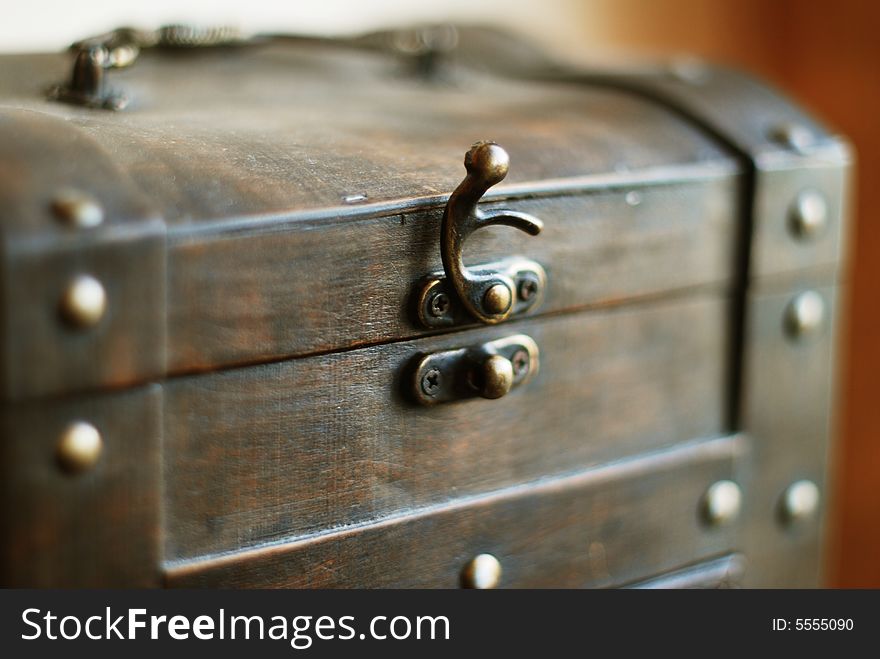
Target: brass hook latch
489 293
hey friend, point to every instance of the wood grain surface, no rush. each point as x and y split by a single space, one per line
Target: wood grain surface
296 447
597 528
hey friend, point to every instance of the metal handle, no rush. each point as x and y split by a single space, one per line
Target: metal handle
488 296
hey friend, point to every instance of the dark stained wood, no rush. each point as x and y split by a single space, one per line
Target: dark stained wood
295 447
786 411
39 157
596 528
269 213
597 248
99 528
333 123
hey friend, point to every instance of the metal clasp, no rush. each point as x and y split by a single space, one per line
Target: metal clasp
489 293
489 370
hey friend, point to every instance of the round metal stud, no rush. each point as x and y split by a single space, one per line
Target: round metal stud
809 215
793 136
84 302
77 209
497 299
482 572
79 447
800 501
805 314
689 69
722 503
496 377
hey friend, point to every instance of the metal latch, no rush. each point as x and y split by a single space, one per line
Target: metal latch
489 293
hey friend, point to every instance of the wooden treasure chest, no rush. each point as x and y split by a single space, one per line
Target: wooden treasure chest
422 308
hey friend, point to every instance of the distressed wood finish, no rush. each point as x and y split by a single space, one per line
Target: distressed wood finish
598 247
597 528
260 251
94 529
290 448
41 156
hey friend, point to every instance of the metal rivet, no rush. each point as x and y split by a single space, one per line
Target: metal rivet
497 299
800 501
528 287
793 136
77 209
79 447
495 377
722 502
805 314
689 69
633 198
482 572
84 302
809 215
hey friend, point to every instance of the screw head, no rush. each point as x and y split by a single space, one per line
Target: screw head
497 299
482 572
722 503
431 382
809 215
527 289
84 301
800 501
77 209
805 314
521 363
79 447
439 304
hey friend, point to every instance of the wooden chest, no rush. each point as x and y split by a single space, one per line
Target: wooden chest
260 327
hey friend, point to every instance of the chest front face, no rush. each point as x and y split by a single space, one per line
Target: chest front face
264 328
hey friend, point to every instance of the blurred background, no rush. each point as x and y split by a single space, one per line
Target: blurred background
825 55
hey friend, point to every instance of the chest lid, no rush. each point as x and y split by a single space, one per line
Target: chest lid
268 201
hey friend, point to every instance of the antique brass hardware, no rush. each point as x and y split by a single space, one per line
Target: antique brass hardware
482 572
489 370
493 292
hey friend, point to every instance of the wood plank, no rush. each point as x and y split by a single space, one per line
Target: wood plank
98 528
602 527
294 447
314 286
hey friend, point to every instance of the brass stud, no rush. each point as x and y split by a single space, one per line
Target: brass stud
495 377
800 502
482 572
794 136
809 215
497 299
77 209
84 302
79 447
689 69
805 314
722 503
